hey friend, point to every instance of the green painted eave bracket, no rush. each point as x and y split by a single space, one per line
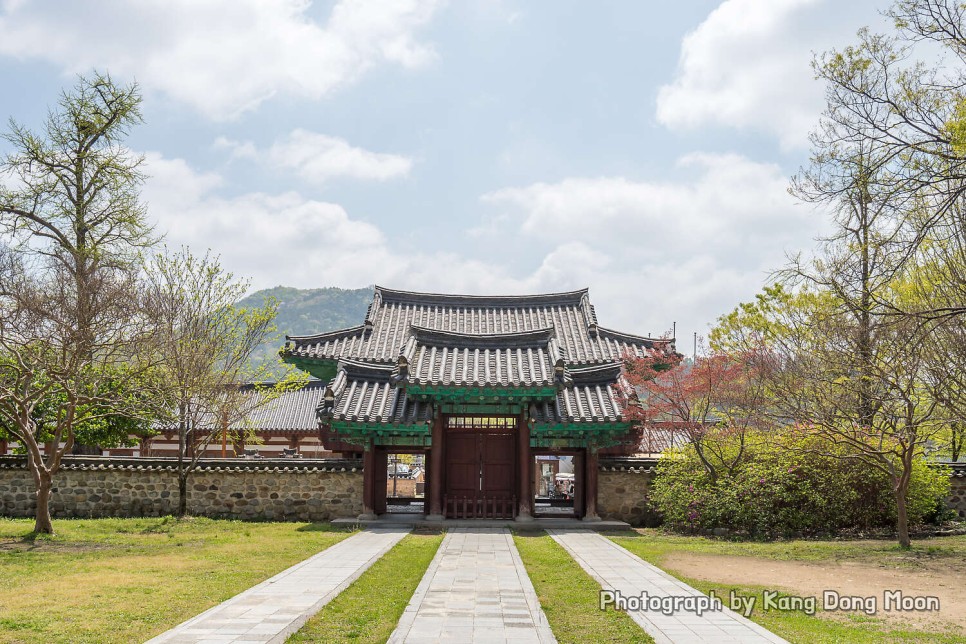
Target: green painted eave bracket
573 435
496 409
415 434
445 394
324 370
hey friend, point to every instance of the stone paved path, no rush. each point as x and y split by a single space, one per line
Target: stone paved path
279 606
617 569
475 590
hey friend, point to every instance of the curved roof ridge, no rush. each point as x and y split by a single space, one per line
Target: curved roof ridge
366 370
595 373
630 337
414 297
328 335
431 336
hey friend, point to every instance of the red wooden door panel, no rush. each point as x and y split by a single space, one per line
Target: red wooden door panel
463 464
498 452
380 480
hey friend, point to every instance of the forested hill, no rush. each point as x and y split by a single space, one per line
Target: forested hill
307 311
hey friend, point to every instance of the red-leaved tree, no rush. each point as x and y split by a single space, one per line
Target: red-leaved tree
710 402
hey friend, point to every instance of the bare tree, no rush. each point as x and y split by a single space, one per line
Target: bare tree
73 228
206 343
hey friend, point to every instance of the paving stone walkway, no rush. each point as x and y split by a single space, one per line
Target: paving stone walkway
619 570
279 606
475 590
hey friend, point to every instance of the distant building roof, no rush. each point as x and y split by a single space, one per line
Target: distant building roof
292 412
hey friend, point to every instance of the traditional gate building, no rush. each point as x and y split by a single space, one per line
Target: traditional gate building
480 385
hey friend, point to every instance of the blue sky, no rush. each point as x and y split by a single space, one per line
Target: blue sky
642 149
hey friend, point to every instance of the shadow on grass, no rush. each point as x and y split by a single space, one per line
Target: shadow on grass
323 526
626 533
163 525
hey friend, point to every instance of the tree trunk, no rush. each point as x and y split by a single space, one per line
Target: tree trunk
182 495
958 438
902 519
43 524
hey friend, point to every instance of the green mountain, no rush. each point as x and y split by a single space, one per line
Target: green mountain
308 311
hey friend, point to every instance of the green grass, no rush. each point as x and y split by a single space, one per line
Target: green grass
127 580
368 610
569 596
655 544
796 626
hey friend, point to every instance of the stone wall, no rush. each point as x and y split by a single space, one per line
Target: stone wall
622 491
280 490
957 490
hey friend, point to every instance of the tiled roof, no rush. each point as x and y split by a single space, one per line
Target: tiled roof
424 340
580 404
392 314
363 393
497 360
292 411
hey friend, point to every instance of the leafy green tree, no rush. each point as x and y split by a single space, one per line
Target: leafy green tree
879 410
70 313
891 93
205 345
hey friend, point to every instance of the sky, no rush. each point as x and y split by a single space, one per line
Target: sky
642 149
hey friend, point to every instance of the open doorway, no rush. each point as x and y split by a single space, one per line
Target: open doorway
555 485
405 483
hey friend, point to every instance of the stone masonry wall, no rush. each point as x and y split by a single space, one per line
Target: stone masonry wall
622 493
280 491
957 492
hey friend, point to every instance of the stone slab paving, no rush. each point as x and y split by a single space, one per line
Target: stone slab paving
617 569
277 607
475 590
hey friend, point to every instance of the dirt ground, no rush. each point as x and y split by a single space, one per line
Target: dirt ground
941 580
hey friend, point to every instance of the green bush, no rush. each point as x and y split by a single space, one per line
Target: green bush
787 484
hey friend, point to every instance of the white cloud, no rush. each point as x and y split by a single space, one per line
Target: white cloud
651 252
748 65
317 158
296 241
688 249
223 57
236 149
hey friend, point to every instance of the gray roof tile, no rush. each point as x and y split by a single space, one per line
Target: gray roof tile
388 324
478 341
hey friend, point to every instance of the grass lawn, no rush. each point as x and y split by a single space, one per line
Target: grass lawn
654 546
651 543
368 610
127 580
569 596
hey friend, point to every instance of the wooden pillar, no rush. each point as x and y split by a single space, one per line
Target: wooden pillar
435 471
524 466
368 482
293 442
579 484
3 446
590 493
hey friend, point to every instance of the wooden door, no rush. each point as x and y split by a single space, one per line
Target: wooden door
462 464
480 475
498 465
380 480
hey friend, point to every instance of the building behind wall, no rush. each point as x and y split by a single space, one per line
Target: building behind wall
480 386
283 427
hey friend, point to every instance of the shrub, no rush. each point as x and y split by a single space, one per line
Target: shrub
787 484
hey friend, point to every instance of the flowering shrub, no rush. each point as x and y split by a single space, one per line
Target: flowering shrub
788 484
